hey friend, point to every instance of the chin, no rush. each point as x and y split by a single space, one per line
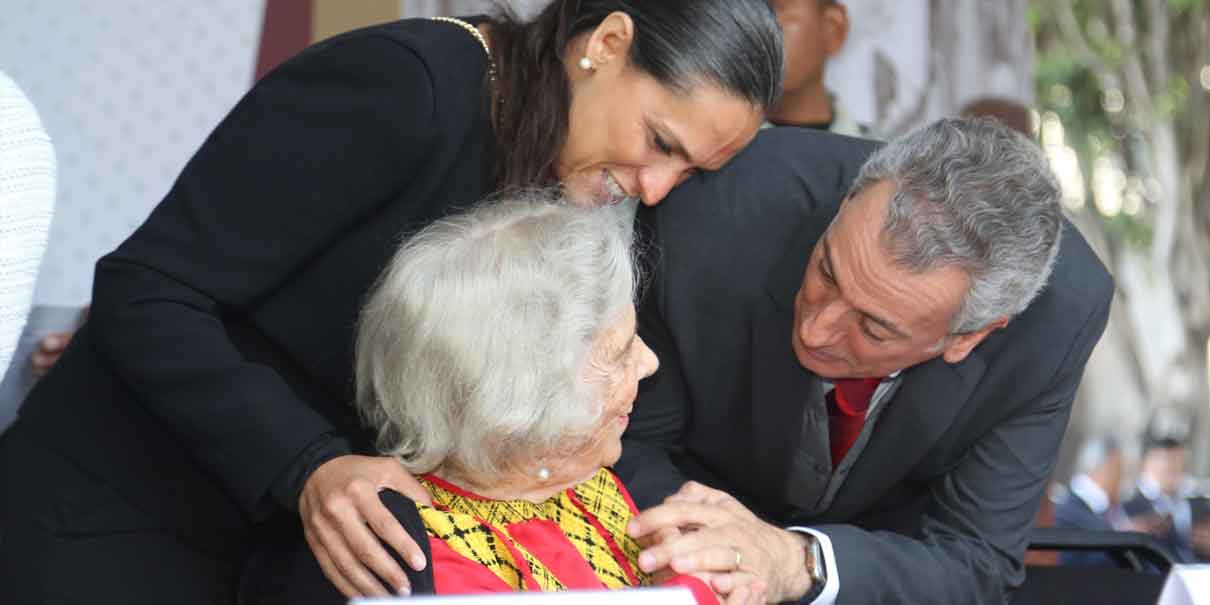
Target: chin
611 458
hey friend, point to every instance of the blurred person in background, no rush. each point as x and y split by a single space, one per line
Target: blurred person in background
813 32
1007 111
1091 501
204 404
1161 502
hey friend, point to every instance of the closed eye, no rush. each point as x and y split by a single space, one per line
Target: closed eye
825 274
661 144
870 335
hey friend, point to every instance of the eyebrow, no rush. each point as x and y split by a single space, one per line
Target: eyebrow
886 324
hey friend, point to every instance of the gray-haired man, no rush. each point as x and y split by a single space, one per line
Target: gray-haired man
889 378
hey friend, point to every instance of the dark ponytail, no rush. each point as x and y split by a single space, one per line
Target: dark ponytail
734 44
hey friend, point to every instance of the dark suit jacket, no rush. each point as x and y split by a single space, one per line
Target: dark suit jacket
1074 513
1180 545
937 506
215 370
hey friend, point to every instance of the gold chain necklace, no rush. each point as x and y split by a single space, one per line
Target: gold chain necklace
474 31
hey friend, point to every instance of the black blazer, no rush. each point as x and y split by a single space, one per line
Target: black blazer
1073 512
215 370
1138 504
936 507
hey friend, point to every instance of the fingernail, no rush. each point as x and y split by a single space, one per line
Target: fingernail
418 563
632 528
404 590
53 341
646 561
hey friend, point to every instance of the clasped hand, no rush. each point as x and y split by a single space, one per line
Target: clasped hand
720 541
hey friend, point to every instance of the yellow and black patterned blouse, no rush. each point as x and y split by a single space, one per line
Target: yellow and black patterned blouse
574 540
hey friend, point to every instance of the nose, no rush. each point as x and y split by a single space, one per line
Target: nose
821 325
655 183
648 362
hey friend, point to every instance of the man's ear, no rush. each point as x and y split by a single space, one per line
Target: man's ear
836 27
960 345
611 40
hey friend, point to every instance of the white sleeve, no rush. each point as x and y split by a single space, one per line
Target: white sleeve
831 588
27 199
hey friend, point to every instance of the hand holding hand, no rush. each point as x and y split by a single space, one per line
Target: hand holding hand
339 507
722 541
50 349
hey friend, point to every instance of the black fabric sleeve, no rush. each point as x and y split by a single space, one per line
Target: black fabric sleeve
405 512
975 528
284 571
661 416
313 149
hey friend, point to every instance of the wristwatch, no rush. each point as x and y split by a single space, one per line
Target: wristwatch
816 568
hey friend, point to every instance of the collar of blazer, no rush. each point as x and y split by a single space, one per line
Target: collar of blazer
924 406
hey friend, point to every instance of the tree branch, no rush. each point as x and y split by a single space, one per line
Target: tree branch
1138 93
1069 26
1156 49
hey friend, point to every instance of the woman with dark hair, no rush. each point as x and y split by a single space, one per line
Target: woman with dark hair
204 406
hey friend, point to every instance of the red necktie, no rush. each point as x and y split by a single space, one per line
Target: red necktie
848 402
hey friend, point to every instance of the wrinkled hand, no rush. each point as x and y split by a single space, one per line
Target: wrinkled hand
339 507
1155 524
715 526
1201 539
49 350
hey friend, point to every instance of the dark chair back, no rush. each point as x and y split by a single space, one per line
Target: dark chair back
1142 566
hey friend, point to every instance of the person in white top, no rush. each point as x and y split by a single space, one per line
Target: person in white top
27 200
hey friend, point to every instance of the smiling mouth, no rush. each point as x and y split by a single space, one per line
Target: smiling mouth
612 192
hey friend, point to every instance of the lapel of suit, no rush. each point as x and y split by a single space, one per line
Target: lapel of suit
787 410
917 415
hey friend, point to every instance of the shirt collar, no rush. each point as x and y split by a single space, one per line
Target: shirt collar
1087 490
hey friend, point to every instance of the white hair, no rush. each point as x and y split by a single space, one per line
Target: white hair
472 346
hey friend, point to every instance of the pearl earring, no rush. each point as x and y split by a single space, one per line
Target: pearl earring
585 64
543 474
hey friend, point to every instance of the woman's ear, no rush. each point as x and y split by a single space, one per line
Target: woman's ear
611 40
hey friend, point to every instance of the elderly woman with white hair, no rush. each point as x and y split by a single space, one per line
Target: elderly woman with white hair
498 361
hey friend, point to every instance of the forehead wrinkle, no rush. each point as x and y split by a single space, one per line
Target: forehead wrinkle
905 289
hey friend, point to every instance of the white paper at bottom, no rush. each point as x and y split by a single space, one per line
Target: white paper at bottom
1187 585
629 596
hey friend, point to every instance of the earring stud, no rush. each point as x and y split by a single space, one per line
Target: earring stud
585 63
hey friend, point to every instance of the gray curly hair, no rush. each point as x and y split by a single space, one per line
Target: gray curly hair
972 194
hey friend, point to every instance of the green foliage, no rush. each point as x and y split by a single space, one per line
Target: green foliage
1131 230
1174 101
1180 7
1069 86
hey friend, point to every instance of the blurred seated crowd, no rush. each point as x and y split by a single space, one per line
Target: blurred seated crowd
1161 498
